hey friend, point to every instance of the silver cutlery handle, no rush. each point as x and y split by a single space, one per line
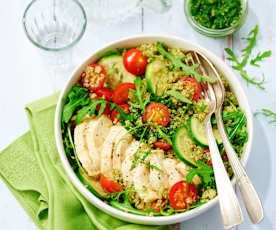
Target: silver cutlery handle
249 195
230 209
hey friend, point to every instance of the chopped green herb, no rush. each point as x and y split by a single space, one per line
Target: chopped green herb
216 14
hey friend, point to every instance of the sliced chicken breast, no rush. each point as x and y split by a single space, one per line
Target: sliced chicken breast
158 180
142 184
82 148
122 142
107 150
170 168
127 163
95 137
184 169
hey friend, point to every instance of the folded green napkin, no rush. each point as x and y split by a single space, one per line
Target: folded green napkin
33 172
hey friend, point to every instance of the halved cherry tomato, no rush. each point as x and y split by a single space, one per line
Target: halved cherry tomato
162 145
182 194
157 113
190 82
120 95
115 113
109 184
93 77
135 62
156 205
104 93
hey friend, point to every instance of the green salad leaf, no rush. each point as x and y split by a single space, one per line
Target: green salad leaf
246 52
178 64
77 97
178 96
260 57
204 171
269 114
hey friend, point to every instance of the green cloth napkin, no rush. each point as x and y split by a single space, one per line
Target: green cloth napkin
33 172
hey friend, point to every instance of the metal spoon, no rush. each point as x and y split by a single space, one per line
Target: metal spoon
249 195
229 205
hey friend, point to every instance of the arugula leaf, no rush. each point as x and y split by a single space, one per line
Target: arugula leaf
260 57
122 113
246 53
269 114
77 96
252 42
178 64
178 96
204 171
138 93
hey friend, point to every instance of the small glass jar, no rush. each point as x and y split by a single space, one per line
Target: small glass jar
216 32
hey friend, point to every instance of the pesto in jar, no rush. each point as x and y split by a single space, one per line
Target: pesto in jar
216 14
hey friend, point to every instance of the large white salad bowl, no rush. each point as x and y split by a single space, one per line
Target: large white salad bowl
134 41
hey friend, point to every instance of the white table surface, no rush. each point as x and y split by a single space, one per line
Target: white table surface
24 78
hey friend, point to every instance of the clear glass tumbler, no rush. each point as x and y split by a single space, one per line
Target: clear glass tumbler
54 25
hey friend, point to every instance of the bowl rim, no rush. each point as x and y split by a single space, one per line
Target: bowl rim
152 220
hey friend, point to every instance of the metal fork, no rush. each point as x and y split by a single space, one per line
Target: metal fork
249 195
229 205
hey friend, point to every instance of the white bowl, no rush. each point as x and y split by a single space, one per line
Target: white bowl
132 42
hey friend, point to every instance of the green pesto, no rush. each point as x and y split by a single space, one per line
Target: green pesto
216 14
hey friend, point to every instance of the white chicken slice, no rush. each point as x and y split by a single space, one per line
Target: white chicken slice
170 168
158 179
81 146
120 147
127 163
142 184
95 137
107 150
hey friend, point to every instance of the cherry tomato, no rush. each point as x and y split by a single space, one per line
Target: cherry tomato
190 82
135 62
107 107
157 113
104 93
182 194
208 162
110 185
156 205
120 95
115 113
162 145
93 77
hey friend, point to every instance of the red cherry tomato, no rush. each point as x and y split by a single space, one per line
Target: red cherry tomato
157 113
115 113
120 95
93 77
104 93
135 62
110 185
208 162
182 194
156 205
162 145
190 82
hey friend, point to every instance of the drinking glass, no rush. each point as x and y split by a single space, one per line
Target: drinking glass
55 26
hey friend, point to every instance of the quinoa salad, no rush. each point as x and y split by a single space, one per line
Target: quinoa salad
133 130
